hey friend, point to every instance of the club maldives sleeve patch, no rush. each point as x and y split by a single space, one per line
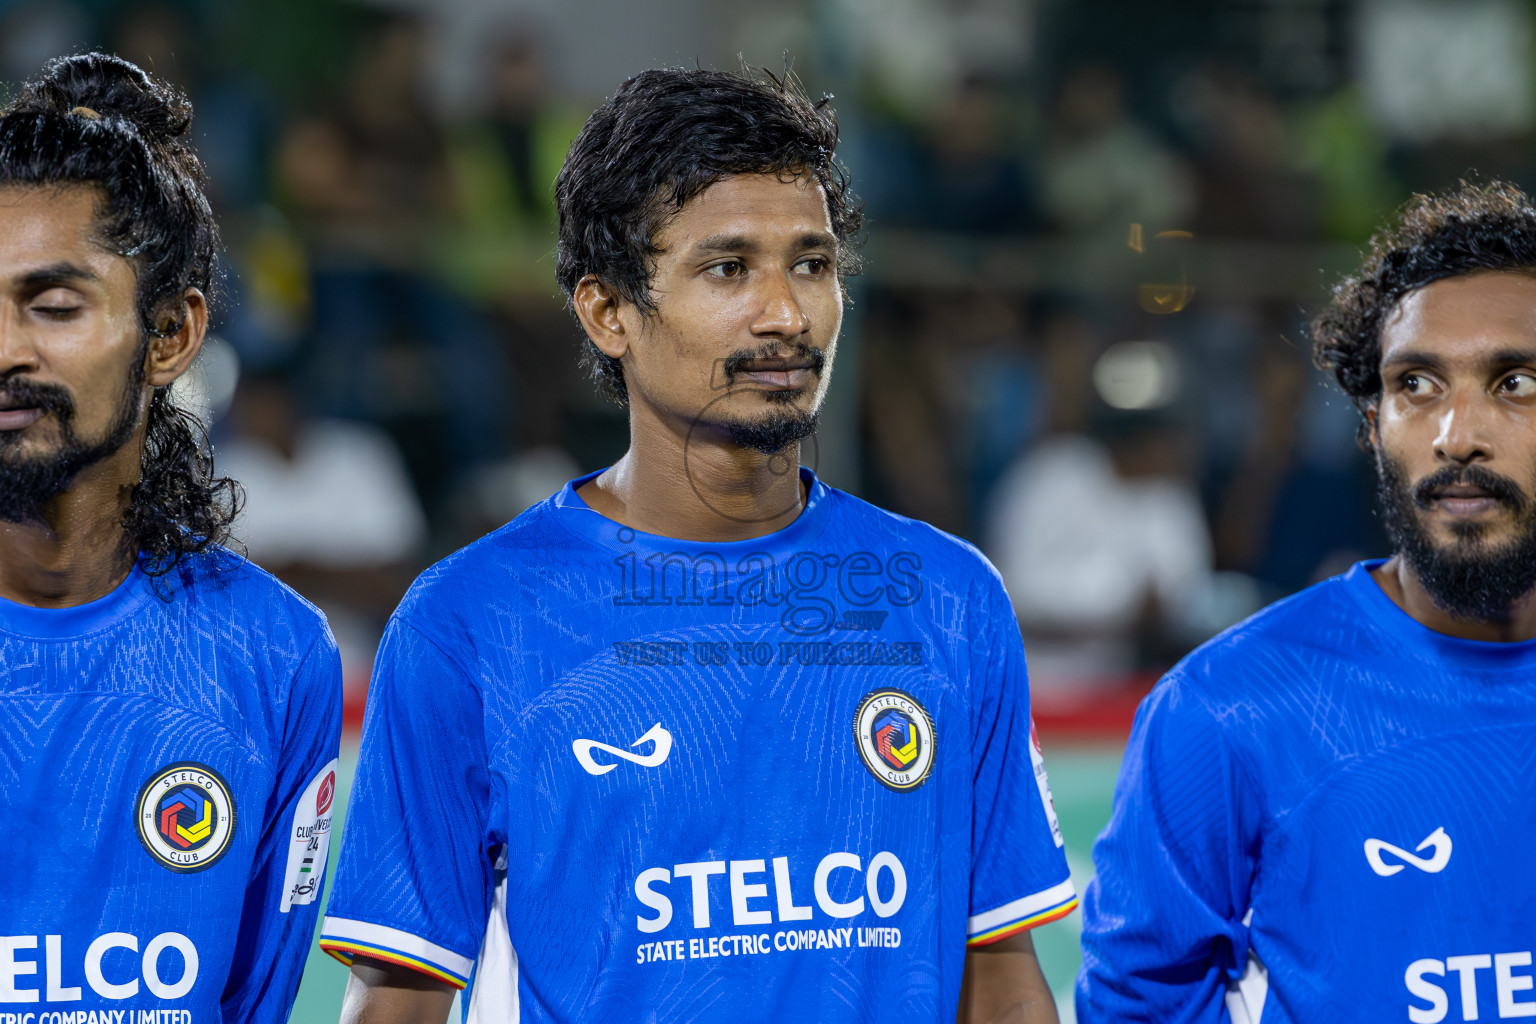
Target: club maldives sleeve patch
1037 759
309 839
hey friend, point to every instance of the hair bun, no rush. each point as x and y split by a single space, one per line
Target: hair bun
109 87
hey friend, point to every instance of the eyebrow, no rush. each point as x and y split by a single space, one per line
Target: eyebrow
63 272
1428 359
719 245
1514 357
1502 358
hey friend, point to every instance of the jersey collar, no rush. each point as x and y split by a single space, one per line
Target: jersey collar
81 619
579 517
1419 639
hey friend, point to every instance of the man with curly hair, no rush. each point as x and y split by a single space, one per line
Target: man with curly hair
700 738
1328 812
169 713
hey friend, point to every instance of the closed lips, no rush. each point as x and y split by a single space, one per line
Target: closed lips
15 416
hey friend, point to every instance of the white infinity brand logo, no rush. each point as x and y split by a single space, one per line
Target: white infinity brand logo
658 736
1433 863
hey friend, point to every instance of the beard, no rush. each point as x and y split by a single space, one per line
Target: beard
774 434
785 425
1470 577
28 485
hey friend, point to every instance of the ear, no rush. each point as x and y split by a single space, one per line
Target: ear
1371 437
171 354
606 317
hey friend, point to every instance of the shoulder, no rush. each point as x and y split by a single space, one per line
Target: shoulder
1318 621
253 637
238 596
529 558
1264 664
885 531
947 578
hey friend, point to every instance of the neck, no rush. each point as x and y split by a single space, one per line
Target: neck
78 552
1397 578
697 486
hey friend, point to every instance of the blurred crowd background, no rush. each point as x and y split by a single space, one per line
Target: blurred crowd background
1096 229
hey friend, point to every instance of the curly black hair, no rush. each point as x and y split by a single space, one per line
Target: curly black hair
1477 226
665 136
96 120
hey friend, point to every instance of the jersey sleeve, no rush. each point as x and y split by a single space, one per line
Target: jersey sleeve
1019 875
413 883
277 918
1163 918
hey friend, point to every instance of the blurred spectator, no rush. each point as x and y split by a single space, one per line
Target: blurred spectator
371 177
1096 541
916 397
1246 164
963 171
1102 171
1300 506
1086 543
329 507
370 184
518 102
505 158
1002 388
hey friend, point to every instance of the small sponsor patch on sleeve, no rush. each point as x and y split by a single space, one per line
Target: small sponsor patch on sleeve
1038 760
309 839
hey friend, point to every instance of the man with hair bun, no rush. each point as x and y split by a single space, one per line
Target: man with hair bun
1328 813
700 738
169 713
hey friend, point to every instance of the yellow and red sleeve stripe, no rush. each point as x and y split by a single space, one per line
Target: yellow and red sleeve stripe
344 940
1044 917
1022 914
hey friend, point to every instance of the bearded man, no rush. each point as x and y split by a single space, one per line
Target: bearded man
169 713
1327 812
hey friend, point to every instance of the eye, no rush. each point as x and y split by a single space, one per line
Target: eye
1519 385
1416 385
56 312
814 265
56 304
728 270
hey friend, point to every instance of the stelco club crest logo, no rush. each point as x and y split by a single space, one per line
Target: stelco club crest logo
895 738
186 816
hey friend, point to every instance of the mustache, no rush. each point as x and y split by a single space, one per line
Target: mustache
796 352
1501 488
23 394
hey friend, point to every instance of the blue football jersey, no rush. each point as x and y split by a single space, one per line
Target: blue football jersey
1328 813
611 776
167 767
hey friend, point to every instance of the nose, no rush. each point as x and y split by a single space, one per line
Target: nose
781 316
1463 436
17 353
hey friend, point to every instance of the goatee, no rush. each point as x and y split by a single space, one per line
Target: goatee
785 425
772 435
